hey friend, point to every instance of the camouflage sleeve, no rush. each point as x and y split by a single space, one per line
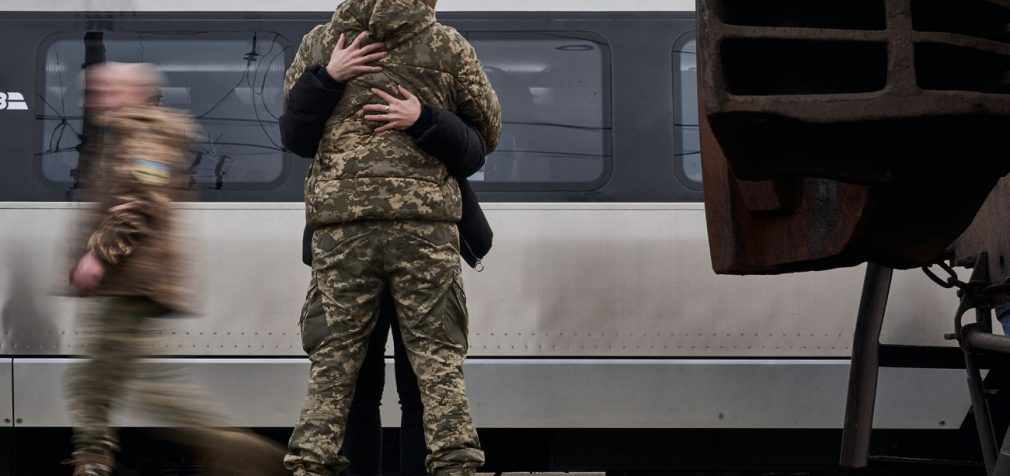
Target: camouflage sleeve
477 101
140 199
303 59
124 226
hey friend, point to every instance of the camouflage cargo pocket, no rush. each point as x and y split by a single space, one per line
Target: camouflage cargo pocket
312 323
455 318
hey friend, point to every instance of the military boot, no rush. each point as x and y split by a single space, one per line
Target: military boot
91 464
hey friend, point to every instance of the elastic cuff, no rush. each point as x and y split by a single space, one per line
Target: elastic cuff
325 79
424 122
101 257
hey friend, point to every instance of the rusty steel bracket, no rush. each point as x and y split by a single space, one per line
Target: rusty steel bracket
865 367
834 133
841 133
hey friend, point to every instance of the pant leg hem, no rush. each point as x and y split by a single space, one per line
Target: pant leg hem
455 472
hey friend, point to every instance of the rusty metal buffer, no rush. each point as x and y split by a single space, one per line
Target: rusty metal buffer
841 132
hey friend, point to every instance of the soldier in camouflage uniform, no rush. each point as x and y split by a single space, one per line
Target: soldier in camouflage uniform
385 217
132 266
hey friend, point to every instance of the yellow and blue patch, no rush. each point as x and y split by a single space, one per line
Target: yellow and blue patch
150 172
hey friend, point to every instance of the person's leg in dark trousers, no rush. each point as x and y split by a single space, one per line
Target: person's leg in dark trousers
363 439
413 449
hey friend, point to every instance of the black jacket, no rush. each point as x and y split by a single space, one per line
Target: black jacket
439 133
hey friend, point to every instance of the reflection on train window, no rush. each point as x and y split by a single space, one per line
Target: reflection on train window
554 92
686 127
232 84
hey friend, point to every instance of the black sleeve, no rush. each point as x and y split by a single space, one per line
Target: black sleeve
450 139
475 234
309 104
307 244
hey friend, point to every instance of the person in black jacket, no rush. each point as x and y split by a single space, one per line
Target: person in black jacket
442 135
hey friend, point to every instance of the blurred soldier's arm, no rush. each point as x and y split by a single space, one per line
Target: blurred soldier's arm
127 223
138 202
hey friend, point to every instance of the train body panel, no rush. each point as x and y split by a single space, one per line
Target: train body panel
760 394
586 316
563 280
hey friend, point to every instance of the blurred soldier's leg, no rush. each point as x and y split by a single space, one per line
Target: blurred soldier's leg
346 268
124 333
431 306
198 423
114 342
161 390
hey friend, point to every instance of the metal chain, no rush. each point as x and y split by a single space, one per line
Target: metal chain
952 281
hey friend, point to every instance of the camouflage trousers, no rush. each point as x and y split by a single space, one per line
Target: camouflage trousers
119 332
352 264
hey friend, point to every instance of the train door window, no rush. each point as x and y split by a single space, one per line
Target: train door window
685 128
555 95
231 83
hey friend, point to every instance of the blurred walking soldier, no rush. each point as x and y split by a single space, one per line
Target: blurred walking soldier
132 266
384 214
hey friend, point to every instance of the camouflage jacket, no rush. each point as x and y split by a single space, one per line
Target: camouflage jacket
133 228
359 175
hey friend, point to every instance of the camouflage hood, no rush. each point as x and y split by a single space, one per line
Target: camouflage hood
389 21
360 175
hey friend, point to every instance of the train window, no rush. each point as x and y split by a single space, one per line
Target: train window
555 95
231 83
686 125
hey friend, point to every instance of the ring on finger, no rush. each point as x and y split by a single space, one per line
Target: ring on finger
387 108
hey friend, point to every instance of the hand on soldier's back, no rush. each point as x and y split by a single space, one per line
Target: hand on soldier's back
350 61
396 113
